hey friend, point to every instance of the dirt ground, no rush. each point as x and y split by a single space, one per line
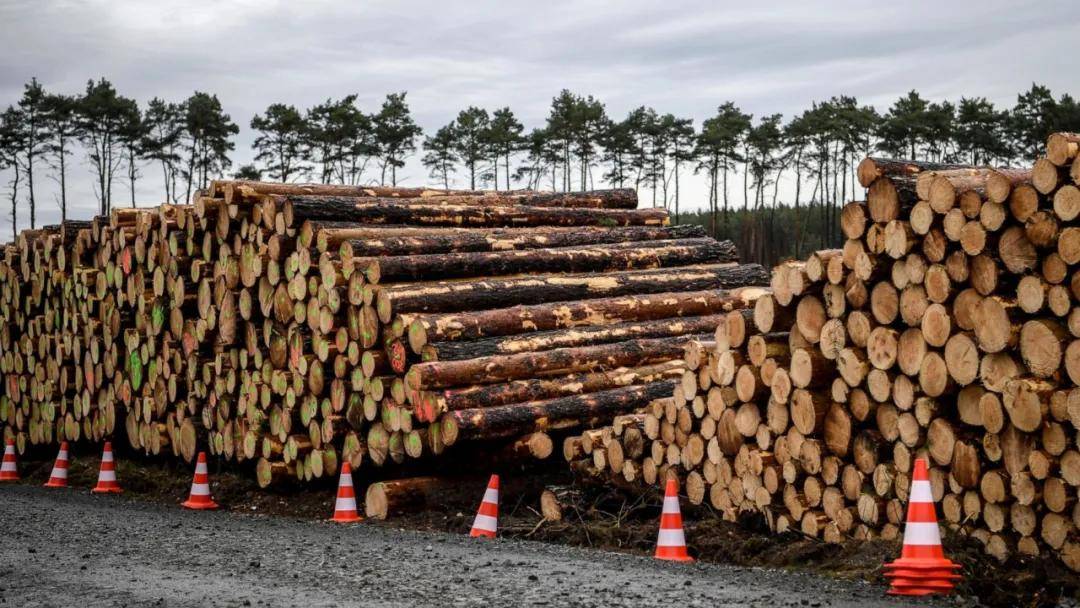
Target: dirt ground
600 518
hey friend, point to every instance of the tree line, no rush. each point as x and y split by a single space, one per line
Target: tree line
190 141
578 146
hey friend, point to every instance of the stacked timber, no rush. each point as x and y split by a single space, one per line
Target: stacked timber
945 328
293 326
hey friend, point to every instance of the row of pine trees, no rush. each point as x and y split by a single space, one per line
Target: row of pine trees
742 158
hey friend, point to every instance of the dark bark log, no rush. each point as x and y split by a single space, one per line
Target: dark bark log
330 235
297 209
427 328
547 340
235 190
621 198
482 294
597 258
537 389
554 414
871 168
465 240
501 368
405 495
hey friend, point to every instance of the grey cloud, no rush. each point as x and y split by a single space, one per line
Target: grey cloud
677 56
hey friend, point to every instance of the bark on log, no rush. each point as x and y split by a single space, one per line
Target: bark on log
377 241
553 414
406 495
871 168
483 294
502 368
424 329
538 389
234 190
595 258
297 209
585 336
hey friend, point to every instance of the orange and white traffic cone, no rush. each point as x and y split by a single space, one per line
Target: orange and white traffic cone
58 478
345 505
486 523
671 542
922 568
9 469
199 498
106 481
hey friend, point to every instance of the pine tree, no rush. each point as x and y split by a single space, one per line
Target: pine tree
395 134
640 125
441 154
588 124
680 137
103 116
132 137
1031 121
504 139
207 140
719 143
162 141
248 172
61 126
470 130
339 139
32 109
12 136
280 144
980 132
904 128
617 146
542 161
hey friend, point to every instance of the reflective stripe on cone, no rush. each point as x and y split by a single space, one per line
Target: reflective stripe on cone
486 524
199 498
671 541
9 469
345 505
922 568
58 477
106 483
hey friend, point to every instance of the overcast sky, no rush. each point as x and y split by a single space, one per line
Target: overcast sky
679 57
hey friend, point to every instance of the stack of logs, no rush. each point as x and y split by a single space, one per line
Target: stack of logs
945 328
294 326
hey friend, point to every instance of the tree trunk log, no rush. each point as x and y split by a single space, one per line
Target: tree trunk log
538 389
566 338
595 258
375 241
502 368
484 293
298 209
553 414
424 329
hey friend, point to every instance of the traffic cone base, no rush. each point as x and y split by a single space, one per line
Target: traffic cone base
58 477
345 511
671 541
209 505
199 498
9 468
486 523
922 568
106 483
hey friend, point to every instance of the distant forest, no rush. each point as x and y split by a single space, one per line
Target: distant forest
181 145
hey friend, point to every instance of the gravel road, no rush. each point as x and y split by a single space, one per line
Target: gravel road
63 548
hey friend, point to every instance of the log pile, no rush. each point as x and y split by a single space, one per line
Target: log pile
293 326
944 328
